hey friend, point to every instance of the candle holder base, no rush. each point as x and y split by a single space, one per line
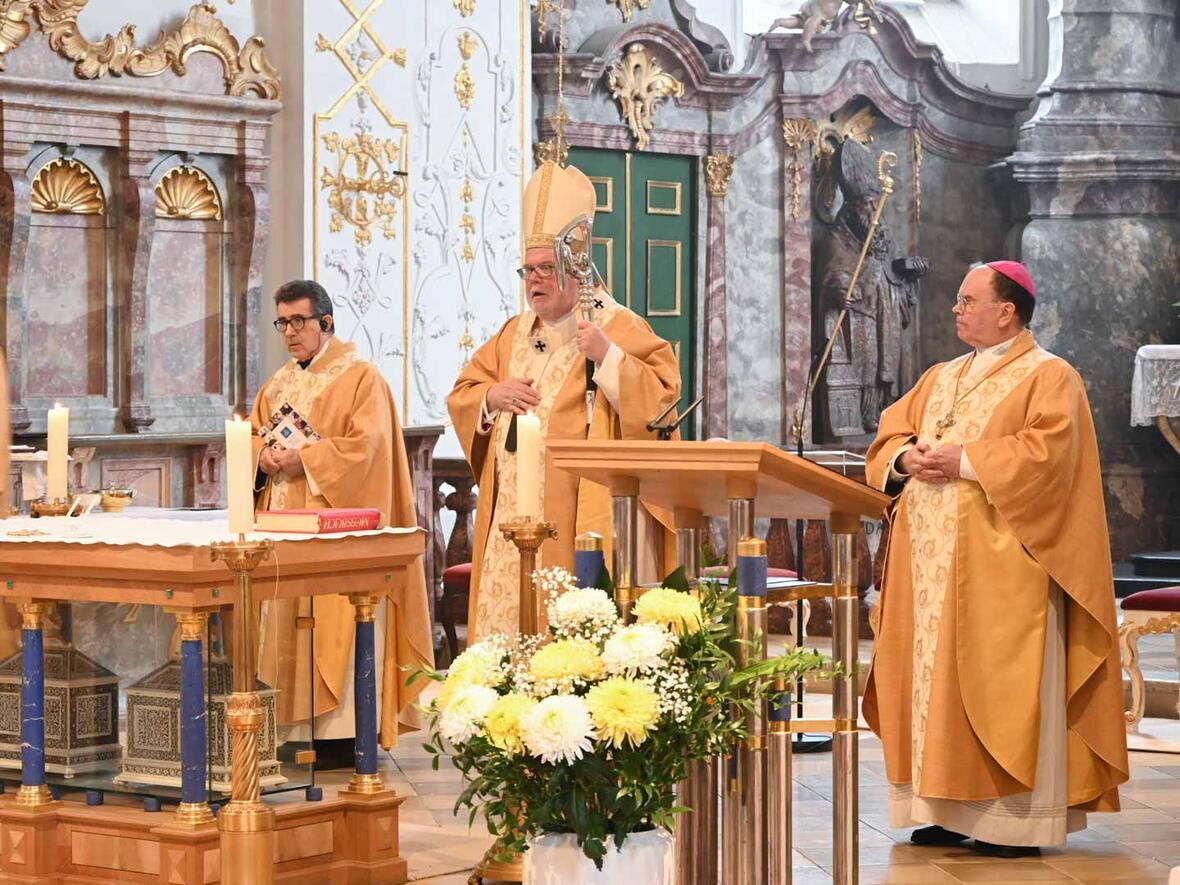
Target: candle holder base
528 535
49 507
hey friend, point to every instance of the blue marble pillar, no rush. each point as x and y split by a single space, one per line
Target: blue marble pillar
32 705
193 728
365 688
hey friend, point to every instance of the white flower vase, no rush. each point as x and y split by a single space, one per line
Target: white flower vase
556 859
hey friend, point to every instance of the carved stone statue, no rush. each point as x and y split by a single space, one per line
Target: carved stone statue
816 16
870 363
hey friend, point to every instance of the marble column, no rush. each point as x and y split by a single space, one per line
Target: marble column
33 789
194 742
139 221
367 779
798 135
1100 160
15 214
718 169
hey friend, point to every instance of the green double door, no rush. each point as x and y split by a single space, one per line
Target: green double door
643 243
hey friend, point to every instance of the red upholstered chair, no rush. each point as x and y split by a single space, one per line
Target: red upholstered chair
453 606
1144 613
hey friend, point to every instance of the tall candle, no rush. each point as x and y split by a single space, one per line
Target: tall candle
239 475
57 468
528 465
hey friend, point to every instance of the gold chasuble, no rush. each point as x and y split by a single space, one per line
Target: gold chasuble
995 685
648 382
636 382
359 462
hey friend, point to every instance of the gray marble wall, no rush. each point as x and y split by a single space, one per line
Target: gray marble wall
1100 167
753 235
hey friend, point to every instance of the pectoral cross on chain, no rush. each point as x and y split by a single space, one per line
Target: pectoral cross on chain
944 424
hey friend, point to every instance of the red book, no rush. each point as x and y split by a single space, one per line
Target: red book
317 522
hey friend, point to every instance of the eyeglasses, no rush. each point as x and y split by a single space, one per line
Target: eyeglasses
543 271
968 305
296 322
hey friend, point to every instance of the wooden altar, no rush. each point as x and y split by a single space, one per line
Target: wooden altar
352 838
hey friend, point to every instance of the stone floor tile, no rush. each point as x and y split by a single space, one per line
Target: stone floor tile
1110 869
1003 871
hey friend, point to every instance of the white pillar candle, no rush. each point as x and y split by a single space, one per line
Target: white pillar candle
57 469
528 466
239 475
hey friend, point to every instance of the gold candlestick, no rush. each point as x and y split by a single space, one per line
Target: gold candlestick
246 824
528 535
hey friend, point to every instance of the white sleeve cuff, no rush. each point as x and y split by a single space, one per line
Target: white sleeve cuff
487 420
896 475
966 471
312 485
606 375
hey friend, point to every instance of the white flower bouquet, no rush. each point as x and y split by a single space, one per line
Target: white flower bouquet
589 729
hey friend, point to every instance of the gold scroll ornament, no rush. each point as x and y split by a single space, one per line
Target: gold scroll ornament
639 84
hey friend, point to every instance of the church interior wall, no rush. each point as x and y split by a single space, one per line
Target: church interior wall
966 217
440 98
754 273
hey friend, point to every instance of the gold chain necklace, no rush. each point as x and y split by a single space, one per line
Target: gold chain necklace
947 421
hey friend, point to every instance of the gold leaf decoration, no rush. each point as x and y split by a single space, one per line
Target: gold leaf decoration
546 151
797 132
187 193
464 82
246 69
627 7
364 190
638 84
465 7
718 169
14 27
67 187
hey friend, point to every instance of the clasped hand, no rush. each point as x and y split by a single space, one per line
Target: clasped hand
932 465
274 461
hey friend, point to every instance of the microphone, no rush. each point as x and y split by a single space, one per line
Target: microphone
665 431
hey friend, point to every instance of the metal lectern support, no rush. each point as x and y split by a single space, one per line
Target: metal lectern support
845 621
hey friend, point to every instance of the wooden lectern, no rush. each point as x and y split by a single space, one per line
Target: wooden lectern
736 479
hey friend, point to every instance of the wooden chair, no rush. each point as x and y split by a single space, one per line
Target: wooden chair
1145 613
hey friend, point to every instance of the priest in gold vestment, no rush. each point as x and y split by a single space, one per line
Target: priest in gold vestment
359 462
995 686
536 363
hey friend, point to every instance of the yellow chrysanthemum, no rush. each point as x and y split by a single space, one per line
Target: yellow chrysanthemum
503 721
623 709
567 659
670 608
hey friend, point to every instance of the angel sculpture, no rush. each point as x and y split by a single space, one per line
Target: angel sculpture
816 16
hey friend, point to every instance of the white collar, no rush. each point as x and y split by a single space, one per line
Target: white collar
319 353
996 349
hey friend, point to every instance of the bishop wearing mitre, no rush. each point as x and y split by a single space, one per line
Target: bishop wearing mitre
536 363
359 461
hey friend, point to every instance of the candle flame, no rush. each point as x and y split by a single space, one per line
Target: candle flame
237 417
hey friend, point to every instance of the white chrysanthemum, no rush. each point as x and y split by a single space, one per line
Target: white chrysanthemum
636 648
558 729
582 607
466 711
481 664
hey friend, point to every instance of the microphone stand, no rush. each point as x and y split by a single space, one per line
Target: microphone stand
664 431
808 743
